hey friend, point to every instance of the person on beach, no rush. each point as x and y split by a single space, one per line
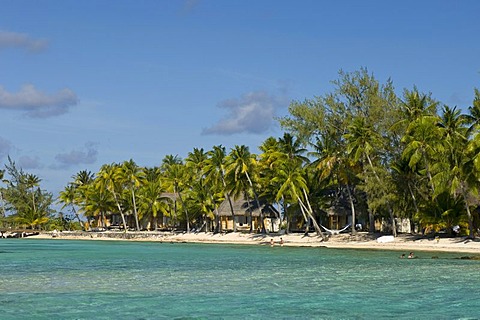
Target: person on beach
281 242
272 243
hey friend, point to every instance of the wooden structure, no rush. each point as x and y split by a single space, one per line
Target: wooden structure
246 212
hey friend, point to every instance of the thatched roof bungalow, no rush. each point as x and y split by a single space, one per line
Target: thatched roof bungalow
246 211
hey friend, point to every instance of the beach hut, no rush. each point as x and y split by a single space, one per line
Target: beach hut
246 211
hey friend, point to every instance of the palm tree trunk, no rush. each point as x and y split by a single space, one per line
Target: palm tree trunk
315 223
390 210
412 228
185 210
264 231
78 218
285 216
312 218
121 212
2 205
217 217
135 213
250 211
101 220
352 207
471 233
33 201
227 195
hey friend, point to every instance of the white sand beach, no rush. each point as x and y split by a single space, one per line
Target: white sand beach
359 241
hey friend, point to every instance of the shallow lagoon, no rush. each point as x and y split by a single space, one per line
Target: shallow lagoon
69 279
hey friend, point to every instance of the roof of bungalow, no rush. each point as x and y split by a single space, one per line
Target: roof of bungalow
242 207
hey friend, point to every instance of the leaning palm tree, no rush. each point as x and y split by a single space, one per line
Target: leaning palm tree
294 185
337 169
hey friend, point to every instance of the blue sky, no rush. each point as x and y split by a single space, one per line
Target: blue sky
84 83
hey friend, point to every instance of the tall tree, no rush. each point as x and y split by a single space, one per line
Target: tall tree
293 183
107 179
132 177
215 171
241 163
30 205
152 199
67 198
174 173
2 204
202 189
356 95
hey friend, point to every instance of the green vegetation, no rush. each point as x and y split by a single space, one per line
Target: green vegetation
22 196
359 149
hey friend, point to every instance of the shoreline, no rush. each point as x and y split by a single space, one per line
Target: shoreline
342 241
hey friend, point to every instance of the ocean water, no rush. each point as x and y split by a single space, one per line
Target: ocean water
68 279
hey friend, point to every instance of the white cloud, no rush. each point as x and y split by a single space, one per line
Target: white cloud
189 5
5 147
74 157
21 40
37 104
27 162
252 113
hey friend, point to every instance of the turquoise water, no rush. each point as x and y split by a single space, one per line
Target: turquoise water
57 279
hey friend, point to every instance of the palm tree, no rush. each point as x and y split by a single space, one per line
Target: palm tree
414 106
82 181
338 170
203 190
459 171
31 181
107 179
422 143
408 187
98 201
473 116
268 165
2 208
174 173
152 199
132 176
293 184
68 198
241 163
292 149
214 172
